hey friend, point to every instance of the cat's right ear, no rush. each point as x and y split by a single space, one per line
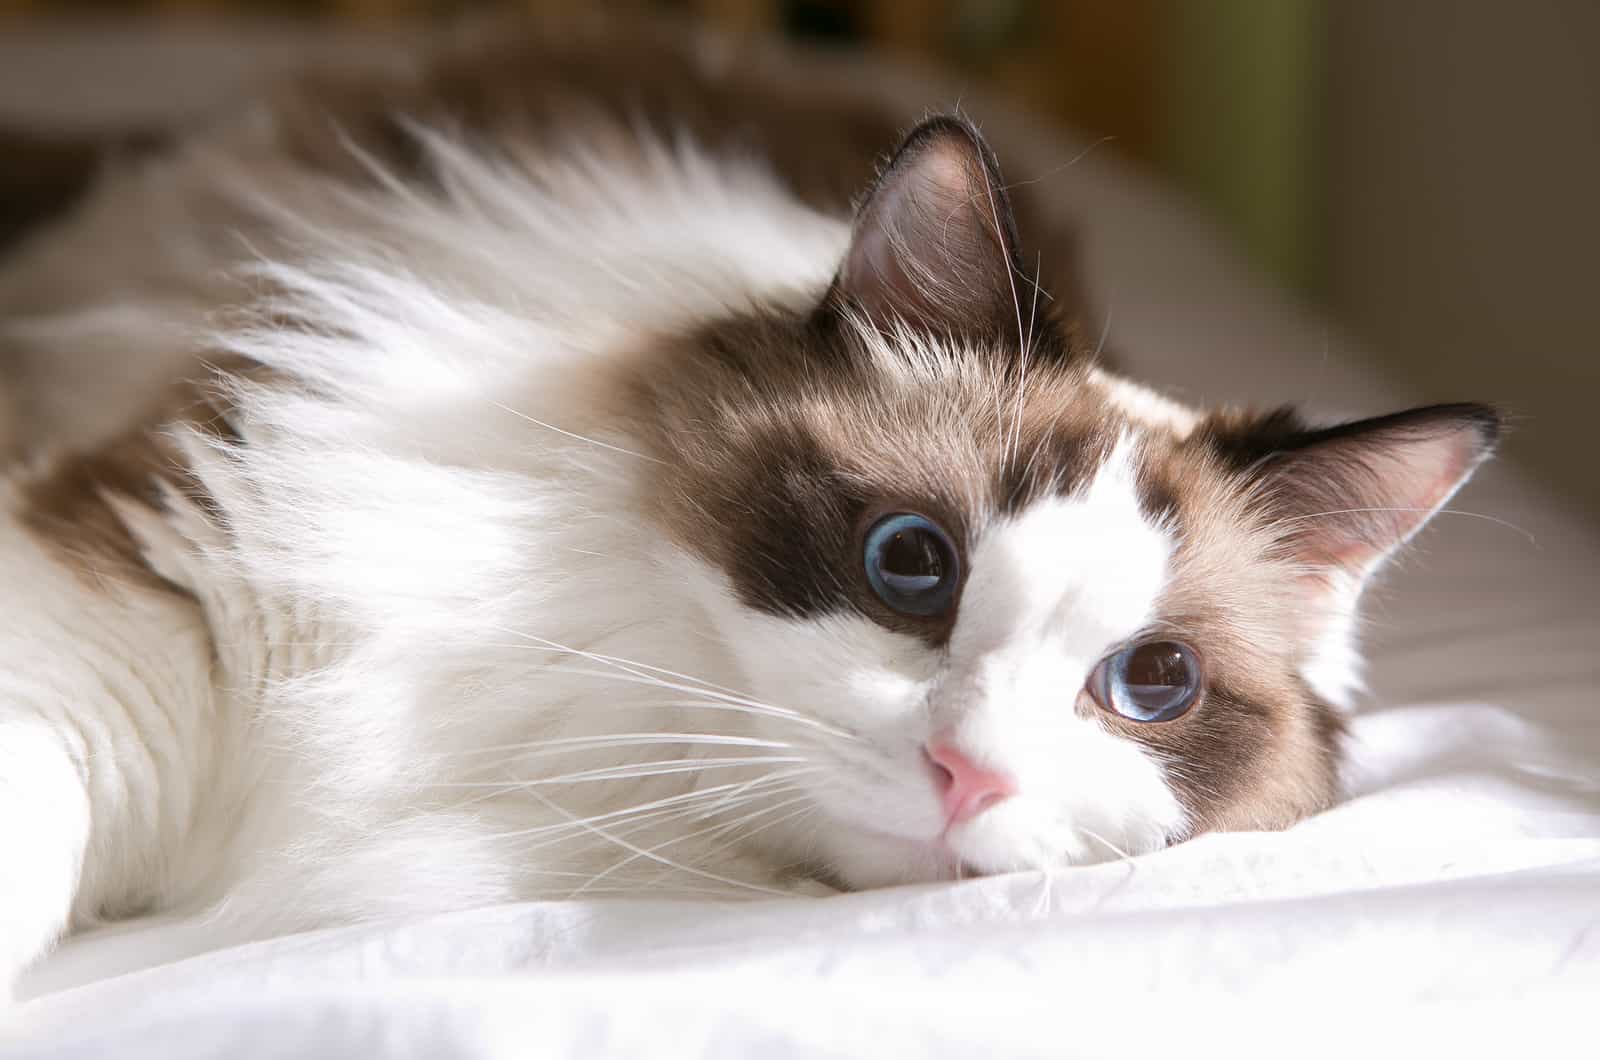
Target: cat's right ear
1345 498
934 242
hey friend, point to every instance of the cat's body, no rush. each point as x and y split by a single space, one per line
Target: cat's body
519 552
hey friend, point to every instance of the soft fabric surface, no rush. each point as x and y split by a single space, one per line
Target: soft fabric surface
1460 880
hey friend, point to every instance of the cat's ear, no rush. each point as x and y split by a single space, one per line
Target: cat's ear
934 242
1345 498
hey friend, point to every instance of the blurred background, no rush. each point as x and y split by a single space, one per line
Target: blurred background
1423 171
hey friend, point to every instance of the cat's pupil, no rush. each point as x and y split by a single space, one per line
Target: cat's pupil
1158 680
913 554
1155 680
1156 668
911 564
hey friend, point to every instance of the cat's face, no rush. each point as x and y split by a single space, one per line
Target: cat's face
1023 612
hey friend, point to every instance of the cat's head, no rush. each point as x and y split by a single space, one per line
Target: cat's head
1029 612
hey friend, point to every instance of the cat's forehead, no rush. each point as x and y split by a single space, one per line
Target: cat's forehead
1082 569
985 436
777 477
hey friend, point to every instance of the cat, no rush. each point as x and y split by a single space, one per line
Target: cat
580 484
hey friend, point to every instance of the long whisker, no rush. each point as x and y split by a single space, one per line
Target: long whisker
666 801
1027 469
1053 170
675 840
575 437
1532 540
603 834
751 792
633 669
616 660
725 705
571 744
745 835
1015 447
676 888
809 807
1108 844
494 789
1105 326
633 771
1041 909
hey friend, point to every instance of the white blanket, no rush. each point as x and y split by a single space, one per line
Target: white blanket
1461 878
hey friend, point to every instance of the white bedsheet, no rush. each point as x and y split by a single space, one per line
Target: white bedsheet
1459 887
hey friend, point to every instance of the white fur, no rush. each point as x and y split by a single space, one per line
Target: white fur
106 718
1333 664
436 585
1144 405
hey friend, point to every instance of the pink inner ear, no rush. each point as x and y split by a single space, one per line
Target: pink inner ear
933 242
917 234
1360 492
1417 485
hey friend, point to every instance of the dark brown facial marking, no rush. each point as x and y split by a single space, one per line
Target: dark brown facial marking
793 517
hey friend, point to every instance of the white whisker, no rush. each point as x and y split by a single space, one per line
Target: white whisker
603 834
1068 164
670 800
619 661
1108 844
574 437
654 819
571 744
633 670
633 771
1423 511
675 840
1105 327
809 807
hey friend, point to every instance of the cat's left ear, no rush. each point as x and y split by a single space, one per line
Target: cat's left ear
1346 498
934 243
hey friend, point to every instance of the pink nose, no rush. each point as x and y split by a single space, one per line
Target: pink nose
967 788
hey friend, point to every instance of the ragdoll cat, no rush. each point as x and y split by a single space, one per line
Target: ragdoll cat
587 501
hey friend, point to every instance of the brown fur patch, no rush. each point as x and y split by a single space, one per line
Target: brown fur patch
67 503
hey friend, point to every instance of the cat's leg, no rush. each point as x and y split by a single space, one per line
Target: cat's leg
44 832
107 725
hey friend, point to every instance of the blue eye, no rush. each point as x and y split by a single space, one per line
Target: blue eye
911 565
1157 680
